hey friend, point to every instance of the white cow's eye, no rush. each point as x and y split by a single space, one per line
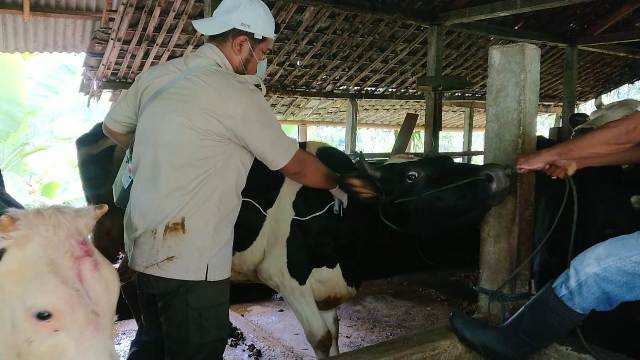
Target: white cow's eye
412 176
43 315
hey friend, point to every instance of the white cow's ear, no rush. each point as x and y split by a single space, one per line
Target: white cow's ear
100 210
7 224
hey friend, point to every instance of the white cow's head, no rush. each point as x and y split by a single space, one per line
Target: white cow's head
57 293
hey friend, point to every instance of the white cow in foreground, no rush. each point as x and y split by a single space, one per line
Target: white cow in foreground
57 293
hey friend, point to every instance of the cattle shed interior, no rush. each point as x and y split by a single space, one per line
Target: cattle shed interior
355 64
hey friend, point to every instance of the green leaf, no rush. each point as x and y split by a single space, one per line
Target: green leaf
50 189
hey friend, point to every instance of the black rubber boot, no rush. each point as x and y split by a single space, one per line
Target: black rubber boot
540 322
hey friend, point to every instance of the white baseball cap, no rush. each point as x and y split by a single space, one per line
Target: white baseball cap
251 16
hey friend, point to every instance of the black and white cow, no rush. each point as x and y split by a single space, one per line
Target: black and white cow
289 237
317 263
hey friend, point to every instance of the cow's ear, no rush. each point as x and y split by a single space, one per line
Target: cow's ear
100 210
360 187
7 224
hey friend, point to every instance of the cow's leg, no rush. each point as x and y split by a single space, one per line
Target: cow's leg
301 301
333 323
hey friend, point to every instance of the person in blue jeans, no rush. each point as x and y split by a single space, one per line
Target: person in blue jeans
600 278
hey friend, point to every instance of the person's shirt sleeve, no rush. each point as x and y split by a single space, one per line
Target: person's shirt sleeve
258 130
123 115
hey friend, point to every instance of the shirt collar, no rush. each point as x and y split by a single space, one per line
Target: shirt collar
211 51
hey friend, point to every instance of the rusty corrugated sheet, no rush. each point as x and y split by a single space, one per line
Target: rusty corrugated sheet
47 34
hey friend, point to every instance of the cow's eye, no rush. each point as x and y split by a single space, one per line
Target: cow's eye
412 176
43 315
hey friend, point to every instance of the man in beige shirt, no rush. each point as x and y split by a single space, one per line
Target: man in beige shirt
199 121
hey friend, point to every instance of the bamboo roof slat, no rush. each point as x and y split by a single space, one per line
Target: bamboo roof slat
134 40
145 42
177 31
163 32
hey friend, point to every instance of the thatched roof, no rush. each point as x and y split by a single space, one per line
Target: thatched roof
376 50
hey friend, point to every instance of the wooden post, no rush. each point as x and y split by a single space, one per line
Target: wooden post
405 133
302 132
433 99
467 136
513 89
26 10
351 130
569 89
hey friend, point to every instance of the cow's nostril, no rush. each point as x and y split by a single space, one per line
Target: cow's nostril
43 315
498 177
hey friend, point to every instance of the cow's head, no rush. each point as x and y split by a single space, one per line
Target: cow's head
58 294
429 191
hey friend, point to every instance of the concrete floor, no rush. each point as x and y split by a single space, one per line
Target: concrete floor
382 310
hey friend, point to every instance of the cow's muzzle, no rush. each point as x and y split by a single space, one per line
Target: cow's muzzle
499 179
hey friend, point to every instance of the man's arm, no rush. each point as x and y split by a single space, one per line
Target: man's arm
614 138
122 140
626 157
307 170
564 168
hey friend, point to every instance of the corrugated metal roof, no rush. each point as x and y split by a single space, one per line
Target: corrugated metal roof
48 34
42 34
80 5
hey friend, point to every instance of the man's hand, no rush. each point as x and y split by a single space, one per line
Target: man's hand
561 169
538 160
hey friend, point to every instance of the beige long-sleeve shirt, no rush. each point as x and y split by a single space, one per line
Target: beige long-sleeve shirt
195 143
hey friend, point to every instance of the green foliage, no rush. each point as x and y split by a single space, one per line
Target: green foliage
50 189
290 130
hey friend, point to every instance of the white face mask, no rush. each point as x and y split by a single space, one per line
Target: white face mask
260 71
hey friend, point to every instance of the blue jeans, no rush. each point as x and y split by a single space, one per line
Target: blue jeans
603 276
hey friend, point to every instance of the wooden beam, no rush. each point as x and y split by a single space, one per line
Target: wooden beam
509 34
500 9
619 14
614 38
26 10
351 129
341 125
365 8
443 83
467 136
405 133
51 13
613 49
339 95
433 99
477 102
454 154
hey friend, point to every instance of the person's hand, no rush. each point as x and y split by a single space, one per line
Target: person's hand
340 195
561 169
538 160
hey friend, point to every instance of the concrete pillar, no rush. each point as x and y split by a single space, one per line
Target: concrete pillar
302 132
569 89
467 136
433 99
513 90
351 130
